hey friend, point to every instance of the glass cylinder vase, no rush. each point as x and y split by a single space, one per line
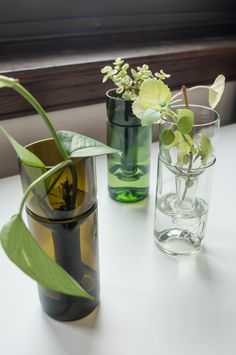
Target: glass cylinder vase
184 186
62 215
128 174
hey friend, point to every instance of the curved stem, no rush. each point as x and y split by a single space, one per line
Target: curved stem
190 89
40 179
26 94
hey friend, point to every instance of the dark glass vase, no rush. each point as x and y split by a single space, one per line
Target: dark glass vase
128 175
62 215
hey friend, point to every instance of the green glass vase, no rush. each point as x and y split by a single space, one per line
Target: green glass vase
62 215
128 174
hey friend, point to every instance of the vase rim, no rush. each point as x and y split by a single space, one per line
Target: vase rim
108 94
39 141
197 106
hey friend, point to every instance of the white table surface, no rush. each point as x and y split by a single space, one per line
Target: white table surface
151 303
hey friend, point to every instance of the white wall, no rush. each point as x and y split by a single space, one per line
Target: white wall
89 120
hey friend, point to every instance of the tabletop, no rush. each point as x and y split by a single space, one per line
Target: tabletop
151 303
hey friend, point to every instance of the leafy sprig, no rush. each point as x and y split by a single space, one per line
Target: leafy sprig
129 80
17 241
155 104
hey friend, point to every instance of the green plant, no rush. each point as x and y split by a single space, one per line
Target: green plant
17 241
155 104
129 80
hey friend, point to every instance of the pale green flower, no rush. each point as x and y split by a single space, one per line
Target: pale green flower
216 90
154 97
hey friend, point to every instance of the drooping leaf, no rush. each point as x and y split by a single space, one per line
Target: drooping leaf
180 138
154 93
185 121
77 145
24 154
216 90
137 108
167 137
21 247
205 148
184 149
150 116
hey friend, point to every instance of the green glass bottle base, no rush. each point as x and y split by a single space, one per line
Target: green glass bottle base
128 194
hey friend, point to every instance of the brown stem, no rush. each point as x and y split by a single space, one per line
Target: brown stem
184 91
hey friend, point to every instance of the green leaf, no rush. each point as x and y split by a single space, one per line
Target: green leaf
137 108
184 149
167 137
185 121
77 145
154 93
21 247
216 90
205 148
150 116
24 154
180 138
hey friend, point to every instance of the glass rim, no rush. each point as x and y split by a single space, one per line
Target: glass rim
46 166
197 124
185 170
115 98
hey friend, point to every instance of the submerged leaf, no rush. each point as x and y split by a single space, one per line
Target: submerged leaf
216 90
206 148
184 149
23 153
21 247
77 145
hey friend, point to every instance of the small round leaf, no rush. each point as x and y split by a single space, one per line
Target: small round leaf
167 137
185 121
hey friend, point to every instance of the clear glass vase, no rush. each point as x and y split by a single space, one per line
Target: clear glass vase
128 175
62 216
183 192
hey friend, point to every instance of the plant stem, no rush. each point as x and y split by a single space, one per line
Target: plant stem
190 89
26 94
188 178
40 179
184 91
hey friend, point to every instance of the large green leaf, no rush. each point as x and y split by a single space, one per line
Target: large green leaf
216 90
21 247
77 145
24 154
154 93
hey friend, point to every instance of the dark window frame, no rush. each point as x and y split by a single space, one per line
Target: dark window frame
64 72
